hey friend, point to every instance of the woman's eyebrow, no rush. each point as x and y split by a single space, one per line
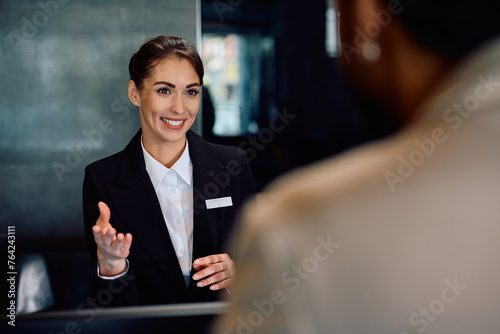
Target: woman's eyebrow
164 83
173 86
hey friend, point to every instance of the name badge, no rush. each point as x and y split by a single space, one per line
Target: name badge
219 202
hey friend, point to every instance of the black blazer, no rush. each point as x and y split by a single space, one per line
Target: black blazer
122 182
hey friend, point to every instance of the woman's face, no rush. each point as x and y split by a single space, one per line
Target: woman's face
169 102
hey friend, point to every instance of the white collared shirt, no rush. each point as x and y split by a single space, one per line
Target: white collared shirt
174 189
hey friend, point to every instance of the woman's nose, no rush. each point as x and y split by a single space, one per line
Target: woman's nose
177 104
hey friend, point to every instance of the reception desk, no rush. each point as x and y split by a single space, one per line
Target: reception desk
178 318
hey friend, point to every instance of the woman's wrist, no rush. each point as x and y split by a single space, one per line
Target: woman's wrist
112 268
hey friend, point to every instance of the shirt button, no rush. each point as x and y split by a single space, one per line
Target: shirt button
178 220
181 252
173 191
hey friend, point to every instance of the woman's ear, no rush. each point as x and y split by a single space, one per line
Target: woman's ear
133 93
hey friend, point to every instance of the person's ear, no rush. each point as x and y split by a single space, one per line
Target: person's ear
362 27
133 93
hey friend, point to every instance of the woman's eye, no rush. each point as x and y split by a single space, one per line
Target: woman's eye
163 90
192 92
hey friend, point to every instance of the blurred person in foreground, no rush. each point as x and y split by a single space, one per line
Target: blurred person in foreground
399 236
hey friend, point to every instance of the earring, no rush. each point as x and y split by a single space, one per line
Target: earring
371 51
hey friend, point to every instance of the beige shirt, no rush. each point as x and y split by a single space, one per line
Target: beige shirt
401 236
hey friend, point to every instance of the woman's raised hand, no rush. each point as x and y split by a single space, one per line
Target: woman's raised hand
112 248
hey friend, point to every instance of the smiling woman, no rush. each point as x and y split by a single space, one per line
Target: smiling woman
168 104
146 191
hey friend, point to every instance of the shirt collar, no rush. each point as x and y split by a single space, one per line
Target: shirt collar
183 167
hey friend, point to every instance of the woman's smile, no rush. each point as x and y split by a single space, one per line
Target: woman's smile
172 123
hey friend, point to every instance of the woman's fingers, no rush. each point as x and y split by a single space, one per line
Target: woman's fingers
111 246
206 261
121 245
215 270
127 242
102 227
104 214
98 235
222 285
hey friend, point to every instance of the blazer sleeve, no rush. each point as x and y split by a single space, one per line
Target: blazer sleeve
117 292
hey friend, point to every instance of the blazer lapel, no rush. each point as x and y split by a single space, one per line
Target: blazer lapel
141 213
206 222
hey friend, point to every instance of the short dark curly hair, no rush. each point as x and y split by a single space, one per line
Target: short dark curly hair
451 27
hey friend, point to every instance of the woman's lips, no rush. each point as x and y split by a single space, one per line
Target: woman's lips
173 123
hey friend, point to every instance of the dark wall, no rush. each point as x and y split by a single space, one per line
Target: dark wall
324 116
327 120
64 104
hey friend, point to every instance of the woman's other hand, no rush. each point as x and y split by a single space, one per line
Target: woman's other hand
214 270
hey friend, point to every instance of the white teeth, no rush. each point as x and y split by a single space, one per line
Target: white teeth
174 123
